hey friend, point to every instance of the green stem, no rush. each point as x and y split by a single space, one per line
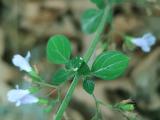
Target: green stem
87 56
45 84
38 80
98 115
67 98
97 106
97 35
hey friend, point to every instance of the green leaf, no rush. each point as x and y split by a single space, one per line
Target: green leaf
125 107
84 69
75 63
43 101
88 86
58 49
99 3
90 20
110 65
60 76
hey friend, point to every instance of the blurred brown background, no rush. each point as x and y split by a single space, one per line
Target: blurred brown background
27 25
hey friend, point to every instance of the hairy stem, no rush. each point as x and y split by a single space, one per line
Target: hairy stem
67 98
97 35
87 56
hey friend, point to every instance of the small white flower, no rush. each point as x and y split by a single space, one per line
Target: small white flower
145 42
20 96
22 62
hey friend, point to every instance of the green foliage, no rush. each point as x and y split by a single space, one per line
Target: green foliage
110 65
99 3
84 69
43 101
88 86
75 63
60 76
124 107
58 49
90 20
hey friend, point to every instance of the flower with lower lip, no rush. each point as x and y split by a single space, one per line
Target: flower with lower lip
22 62
145 42
20 96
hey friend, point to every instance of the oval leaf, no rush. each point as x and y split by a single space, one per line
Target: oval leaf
84 69
58 49
125 107
91 19
75 63
88 86
59 77
110 65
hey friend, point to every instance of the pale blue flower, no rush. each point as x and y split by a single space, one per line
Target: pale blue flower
145 42
22 62
20 96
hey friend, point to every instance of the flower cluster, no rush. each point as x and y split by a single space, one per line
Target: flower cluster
20 96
